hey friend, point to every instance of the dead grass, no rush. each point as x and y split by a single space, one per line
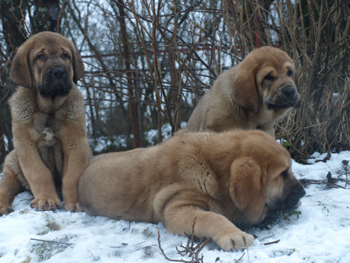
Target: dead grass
45 249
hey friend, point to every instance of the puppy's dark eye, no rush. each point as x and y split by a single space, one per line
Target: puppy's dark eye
284 174
289 73
269 77
41 57
64 56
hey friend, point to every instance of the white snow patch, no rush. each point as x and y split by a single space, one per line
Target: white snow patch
152 135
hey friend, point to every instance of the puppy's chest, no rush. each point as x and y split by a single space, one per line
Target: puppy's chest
47 127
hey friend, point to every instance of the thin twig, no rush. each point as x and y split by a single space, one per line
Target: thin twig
201 247
190 249
50 241
272 242
240 258
166 257
59 17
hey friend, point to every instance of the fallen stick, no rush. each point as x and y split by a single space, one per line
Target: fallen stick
49 241
272 242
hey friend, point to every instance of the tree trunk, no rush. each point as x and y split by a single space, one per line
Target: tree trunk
14 29
15 33
47 13
133 102
175 94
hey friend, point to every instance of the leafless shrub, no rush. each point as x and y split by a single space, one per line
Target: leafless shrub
178 55
319 43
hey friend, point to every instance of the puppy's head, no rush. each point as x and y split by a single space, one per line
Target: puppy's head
262 181
49 62
266 76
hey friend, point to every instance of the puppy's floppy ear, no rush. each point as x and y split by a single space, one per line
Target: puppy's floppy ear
245 92
78 65
21 68
247 188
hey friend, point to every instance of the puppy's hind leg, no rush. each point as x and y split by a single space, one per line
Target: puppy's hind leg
10 186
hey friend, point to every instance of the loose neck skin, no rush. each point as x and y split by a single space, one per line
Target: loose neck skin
219 153
47 105
50 104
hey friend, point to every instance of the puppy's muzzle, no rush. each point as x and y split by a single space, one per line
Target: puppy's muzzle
289 92
58 73
286 98
56 83
294 197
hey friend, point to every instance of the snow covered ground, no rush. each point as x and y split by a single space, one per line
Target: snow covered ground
321 233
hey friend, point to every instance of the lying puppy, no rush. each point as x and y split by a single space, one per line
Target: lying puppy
48 125
254 94
217 179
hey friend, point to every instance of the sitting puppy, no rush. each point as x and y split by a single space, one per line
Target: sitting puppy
48 125
217 179
254 94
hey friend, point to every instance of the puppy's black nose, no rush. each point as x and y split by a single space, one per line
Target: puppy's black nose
289 92
58 73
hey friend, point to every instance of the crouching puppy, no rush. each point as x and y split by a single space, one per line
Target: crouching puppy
217 179
48 125
253 94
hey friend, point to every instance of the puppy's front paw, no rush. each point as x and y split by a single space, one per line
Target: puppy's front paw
5 208
73 207
235 240
46 204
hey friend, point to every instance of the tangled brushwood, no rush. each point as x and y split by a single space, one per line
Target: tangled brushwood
191 249
320 45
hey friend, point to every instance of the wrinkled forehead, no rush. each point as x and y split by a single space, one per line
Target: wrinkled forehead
284 158
48 40
270 152
278 63
266 149
280 161
270 67
50 50
50 47
270 53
